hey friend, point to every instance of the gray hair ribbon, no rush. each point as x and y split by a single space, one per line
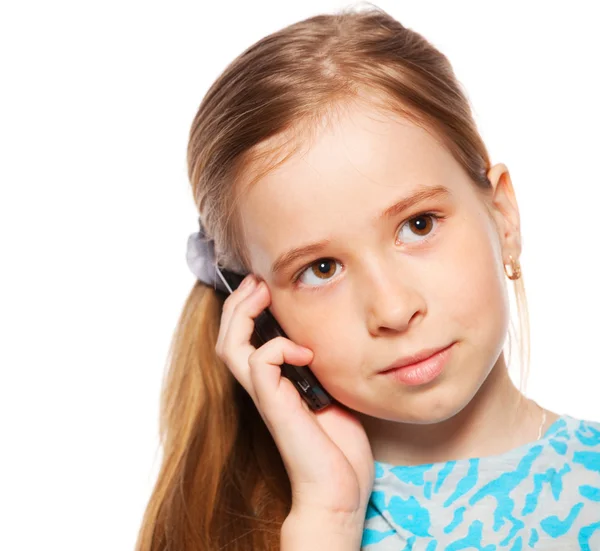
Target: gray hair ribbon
201 259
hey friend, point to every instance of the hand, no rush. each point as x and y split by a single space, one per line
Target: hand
326 454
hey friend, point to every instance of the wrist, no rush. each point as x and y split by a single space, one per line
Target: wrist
331 531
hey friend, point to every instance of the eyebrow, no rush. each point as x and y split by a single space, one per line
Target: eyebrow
400 206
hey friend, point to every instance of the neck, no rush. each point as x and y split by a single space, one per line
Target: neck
498 418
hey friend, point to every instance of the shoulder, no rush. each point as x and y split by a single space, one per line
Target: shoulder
582 432
577 441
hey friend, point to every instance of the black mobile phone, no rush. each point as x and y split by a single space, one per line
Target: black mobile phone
266 328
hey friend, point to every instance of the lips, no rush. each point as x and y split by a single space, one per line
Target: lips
407 361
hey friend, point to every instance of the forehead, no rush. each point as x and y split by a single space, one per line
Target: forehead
348 173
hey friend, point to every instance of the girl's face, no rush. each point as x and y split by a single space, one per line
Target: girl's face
376 245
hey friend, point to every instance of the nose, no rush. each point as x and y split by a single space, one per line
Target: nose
393 302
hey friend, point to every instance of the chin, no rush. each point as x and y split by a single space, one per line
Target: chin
426 415
419 406
431 414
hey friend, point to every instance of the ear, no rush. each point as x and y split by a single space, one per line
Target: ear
505 212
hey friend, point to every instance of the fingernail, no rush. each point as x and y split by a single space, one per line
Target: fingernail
247 282
261 285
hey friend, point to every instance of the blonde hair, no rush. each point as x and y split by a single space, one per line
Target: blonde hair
222 482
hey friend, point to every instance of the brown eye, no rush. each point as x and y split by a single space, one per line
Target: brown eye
319 272
323 269
417 227
421 225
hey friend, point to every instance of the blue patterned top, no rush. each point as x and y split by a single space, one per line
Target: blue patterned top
544 496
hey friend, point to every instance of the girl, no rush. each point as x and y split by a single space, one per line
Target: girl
338 164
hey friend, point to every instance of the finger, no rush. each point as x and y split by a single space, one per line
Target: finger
236 346
265 371
247 285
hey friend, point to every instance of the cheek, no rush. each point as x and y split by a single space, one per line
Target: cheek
324 330
475 292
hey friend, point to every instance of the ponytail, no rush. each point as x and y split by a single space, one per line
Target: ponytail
222 481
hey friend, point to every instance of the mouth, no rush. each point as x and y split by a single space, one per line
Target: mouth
419 368
413 359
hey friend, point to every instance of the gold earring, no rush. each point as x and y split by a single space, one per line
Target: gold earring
515 269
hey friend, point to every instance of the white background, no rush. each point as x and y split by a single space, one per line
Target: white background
96 104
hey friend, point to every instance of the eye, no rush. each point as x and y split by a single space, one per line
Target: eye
417 228
319 272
